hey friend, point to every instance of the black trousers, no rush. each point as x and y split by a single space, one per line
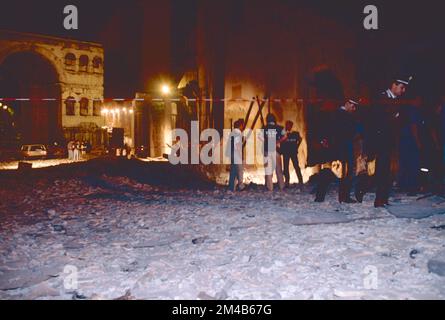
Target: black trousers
326 177
286 159
383 174
345 185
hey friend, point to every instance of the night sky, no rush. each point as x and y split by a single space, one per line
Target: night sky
117 25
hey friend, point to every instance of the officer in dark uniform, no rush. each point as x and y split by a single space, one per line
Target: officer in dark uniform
346 125
289 150
272 154
387 115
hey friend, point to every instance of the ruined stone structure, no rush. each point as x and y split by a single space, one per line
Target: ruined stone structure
67 74
275 59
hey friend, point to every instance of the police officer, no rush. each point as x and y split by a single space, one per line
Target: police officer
387 116
346 125
289 149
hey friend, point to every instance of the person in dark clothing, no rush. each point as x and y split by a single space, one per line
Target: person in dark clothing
338 139
323 144
431 130
438 135
409 150
387 117
289 150
346 126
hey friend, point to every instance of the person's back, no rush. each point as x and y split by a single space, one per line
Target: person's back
275 132
289 149
291 144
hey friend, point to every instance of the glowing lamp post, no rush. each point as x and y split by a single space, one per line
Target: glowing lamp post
165 89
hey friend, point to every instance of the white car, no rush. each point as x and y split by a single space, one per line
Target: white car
34 151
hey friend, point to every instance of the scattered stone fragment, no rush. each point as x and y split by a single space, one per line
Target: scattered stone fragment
413 253
437 264
207 245
78 296
200 240
205 296
58 228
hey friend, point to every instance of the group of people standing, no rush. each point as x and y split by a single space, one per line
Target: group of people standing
386 128
285 151
76 149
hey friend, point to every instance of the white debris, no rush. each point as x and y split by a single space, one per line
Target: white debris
127 240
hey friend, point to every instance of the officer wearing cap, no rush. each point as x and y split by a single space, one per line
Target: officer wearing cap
387 115
339 141
346 131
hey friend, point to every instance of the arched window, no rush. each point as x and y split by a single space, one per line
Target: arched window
70 59
83 63
70 106
97 106
84 107
97 63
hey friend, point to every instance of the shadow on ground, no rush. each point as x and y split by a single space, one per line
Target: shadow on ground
159 174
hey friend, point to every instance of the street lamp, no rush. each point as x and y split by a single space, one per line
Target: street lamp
165 89
5 107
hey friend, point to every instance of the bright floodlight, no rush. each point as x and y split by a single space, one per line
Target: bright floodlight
165 89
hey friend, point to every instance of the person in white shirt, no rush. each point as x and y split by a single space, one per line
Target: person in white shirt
235 150
176 147
70 148
76 151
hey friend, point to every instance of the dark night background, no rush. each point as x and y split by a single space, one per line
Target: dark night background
117 25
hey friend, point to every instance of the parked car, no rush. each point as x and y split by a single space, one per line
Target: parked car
34 151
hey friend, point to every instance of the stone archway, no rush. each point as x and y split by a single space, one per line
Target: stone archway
30 74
